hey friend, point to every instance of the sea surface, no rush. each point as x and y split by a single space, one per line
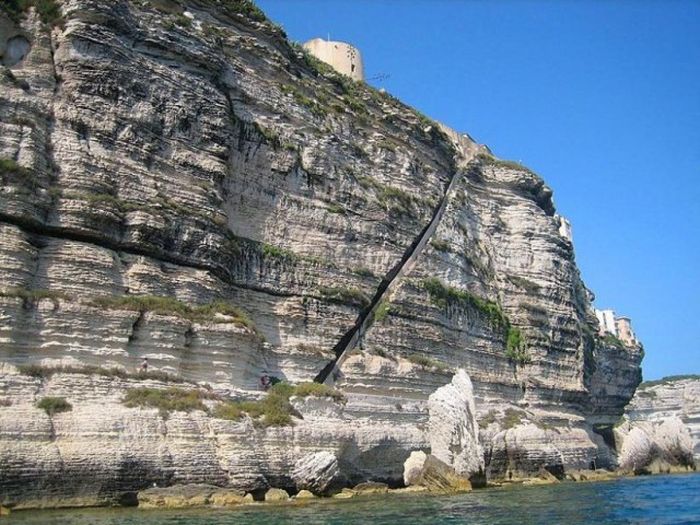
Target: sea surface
643 500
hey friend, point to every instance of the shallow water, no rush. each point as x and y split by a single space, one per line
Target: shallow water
646 500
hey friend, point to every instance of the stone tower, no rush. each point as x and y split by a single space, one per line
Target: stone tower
342 57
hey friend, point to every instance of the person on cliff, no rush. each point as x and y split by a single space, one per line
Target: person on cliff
265 381
144 365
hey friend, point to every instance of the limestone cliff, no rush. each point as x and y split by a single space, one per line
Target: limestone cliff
661 426
182 184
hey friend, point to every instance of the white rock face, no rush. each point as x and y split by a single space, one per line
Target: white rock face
318 472
452 427
654 445
413 467
666 401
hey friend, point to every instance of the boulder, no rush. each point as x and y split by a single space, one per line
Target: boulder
452 427
304 494
276 495
413 467
653 447
345 494
177 496
371 487
319 473
227 497
437 476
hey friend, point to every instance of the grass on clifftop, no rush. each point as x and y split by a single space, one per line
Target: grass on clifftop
488 159
274 410
54 405
667 380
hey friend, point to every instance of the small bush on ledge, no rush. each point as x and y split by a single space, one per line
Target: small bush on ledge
344 295
426 362
45 372
168 399
318 390
54 405
172 306
274 410
443 295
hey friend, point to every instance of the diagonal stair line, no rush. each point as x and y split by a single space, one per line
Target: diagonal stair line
467 150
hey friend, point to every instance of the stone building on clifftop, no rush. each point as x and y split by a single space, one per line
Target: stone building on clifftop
341 56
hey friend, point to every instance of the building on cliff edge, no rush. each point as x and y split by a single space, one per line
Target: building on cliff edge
341 56
619 326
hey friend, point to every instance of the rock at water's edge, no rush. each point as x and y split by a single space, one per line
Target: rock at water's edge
413 467
452 427
276 495
318 473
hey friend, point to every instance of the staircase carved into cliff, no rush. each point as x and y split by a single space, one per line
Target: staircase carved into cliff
466 152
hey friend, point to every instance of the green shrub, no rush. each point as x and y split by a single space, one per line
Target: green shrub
383 309
32 296
54 405
48 10
45 372
274 410
172 306
489 418
183 21
443 295
318 390
243 7
488 159
314 106
515 346
667 380
526 284
344 295
167 400
427 362
362 271
336 208
440 245
268 250
512 418
9 166
612 340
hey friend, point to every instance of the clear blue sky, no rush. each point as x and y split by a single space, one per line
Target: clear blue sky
601 98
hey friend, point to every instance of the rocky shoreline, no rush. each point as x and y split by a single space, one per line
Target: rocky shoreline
207 496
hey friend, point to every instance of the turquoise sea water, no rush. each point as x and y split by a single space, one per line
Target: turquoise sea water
648 500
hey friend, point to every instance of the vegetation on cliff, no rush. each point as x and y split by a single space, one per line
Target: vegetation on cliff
171 306
48 10
45 372
274 410
167 400
54 405
444 296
